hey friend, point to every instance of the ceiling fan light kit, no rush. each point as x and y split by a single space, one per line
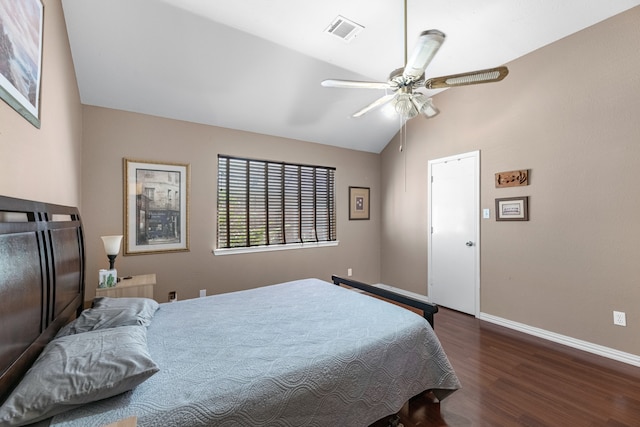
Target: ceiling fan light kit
407 101
404 106
409 106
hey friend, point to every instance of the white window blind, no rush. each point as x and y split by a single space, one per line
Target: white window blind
263 203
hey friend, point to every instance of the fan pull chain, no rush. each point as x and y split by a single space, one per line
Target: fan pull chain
403 146
405 154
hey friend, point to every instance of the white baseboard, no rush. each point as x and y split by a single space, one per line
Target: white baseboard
600 350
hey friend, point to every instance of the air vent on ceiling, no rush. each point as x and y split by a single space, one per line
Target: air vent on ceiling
344 28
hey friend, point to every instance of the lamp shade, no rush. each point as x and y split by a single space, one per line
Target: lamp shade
112 244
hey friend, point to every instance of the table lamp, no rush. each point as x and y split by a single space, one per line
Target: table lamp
109 278
111 247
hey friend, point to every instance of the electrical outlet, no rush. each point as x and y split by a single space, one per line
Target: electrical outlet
349 272
203 293
173 296
619 318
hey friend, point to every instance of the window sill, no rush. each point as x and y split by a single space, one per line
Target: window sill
274 248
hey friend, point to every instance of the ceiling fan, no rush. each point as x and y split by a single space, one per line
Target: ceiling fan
405 82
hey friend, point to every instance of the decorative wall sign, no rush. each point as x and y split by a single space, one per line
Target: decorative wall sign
512 178
358 203
21 56
512 209
156 200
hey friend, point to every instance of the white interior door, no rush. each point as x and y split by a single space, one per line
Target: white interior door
453 267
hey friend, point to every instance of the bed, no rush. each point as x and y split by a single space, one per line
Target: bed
305 352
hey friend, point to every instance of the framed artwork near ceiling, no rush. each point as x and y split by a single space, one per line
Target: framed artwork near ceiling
156 204
512 209
21 56
359 203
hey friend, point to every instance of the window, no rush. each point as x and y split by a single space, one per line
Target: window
150 193
263 203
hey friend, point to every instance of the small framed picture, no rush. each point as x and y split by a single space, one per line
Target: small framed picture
359 203
512 209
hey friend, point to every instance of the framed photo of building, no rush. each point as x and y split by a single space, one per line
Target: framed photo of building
358 203
156 204
21 56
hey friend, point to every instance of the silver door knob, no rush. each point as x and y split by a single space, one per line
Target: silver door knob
469 243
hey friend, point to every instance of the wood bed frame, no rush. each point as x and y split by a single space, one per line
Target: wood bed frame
42 264
42 277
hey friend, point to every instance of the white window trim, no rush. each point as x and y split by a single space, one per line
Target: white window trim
269 248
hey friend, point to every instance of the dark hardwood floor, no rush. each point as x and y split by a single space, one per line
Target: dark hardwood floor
513 379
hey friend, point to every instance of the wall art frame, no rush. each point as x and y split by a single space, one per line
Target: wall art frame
21 57
512 209
359 203
512 178
156 207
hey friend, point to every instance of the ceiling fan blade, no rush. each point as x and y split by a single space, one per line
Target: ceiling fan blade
428 44
471 78
355 84
375 104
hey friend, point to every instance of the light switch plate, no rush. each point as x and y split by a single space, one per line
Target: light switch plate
486 213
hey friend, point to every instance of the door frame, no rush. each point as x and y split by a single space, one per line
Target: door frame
476 214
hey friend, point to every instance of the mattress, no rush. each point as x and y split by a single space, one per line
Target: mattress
302 353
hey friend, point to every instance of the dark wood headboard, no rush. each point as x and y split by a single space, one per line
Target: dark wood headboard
41 280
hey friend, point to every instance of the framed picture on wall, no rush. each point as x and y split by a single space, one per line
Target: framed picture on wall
21 56
359 203
512 209
156 200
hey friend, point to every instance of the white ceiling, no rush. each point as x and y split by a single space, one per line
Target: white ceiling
256 65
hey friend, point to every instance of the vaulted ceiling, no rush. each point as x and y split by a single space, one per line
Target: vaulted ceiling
256 65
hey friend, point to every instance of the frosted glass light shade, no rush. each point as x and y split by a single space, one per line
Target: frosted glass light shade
429 110
404 107
112 244
424 105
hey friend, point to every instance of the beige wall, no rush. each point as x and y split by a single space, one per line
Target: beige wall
44 164
569 113
110 135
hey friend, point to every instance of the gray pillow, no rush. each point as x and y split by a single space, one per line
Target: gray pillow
78 369
112 313
145 308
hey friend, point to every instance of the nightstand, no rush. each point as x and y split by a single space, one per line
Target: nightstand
140 286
